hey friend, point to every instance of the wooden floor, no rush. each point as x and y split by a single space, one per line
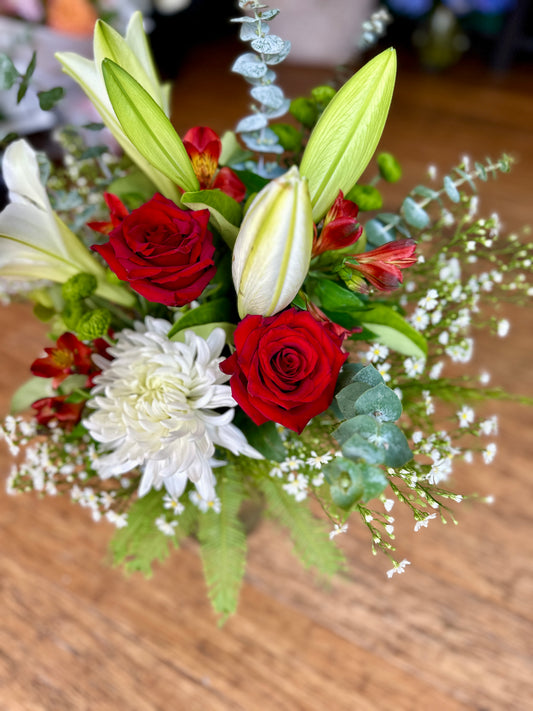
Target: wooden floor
454 633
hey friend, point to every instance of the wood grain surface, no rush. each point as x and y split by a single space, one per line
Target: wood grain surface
454 633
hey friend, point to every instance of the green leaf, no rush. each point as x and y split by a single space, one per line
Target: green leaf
345 480
358 447
368 374
392 330
363 425
414 214
377 234
147 126
367 197
253 182
451 190
397 451
216 310
33 389
381 402
24 84
8 72
348 132
334 297
374 481
205 329
347 397
225 212
265 438
223 544
133 189
139 544
48 99
309 535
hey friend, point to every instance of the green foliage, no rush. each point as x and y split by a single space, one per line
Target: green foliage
8 72
225 212
218 310
78 287
389 168
26 78
148 128
367 197
391 329
304 111
139 544
351 482
33 389
368 434
265 438
48 99
93 324
289 137
322 95
223 544
309 536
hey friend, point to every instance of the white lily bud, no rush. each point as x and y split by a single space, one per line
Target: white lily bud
273 249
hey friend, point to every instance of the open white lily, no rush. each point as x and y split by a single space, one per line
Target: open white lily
35 243
131 53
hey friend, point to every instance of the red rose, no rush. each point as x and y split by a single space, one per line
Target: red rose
165 253
284 367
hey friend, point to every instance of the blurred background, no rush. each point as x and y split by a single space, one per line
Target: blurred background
455 632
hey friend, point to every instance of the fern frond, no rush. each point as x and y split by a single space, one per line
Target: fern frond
223 545
309 536
140 543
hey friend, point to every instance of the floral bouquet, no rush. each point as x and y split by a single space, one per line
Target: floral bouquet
231 336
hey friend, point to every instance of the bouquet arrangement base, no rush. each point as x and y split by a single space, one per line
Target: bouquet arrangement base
238 326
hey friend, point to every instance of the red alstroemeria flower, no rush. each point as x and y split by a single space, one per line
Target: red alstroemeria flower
68 356
204 147
117 212
340 228
58 410
382 266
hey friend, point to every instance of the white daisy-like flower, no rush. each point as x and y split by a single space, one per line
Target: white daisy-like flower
315 461
166 527
157 408
489 453
430 301
414 366
503 327
399 568
466 416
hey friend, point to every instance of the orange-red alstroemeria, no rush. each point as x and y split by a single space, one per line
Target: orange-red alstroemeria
340 228
70 355
204 147
382 267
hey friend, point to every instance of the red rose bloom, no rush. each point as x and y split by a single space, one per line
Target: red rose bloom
284 367
165 253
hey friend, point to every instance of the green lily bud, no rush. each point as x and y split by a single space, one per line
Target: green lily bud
389 168
272 253
348 132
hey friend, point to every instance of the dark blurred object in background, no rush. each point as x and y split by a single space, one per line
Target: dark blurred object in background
200 23
442 30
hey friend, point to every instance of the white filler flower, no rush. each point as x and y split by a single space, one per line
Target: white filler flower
158 408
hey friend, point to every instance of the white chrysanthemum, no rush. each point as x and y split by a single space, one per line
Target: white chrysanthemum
158 408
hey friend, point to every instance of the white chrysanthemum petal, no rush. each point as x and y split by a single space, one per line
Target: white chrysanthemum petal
157 408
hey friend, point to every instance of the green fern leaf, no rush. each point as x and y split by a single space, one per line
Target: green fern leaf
140 543
223 545
311 542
